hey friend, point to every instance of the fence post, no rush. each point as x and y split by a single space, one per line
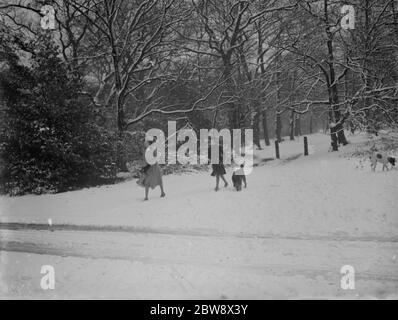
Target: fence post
277 149
305 146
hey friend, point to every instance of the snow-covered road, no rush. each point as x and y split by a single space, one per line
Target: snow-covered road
152 266
286 236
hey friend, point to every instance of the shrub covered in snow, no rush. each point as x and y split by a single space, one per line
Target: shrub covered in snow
49 142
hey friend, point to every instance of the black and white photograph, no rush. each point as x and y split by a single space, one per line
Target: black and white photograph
198 150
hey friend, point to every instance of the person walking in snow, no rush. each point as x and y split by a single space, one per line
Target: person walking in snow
152 175
218 168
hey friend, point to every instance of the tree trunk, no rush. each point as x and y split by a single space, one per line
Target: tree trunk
340 126
297 126
265 128
293 113
120 157
333 134
256 128
278 127
337 124
233 108
292 125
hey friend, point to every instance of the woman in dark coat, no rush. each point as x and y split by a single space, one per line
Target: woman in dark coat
218 168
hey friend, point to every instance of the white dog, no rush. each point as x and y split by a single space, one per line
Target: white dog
383 159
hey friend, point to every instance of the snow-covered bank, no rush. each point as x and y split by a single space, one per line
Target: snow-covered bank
323 194
286 236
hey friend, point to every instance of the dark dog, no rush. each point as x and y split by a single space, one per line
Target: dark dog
383 159
238 177
391 160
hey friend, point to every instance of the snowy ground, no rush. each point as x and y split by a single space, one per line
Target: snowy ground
286 236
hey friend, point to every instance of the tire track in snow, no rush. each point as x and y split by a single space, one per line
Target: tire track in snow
275 268
188 232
